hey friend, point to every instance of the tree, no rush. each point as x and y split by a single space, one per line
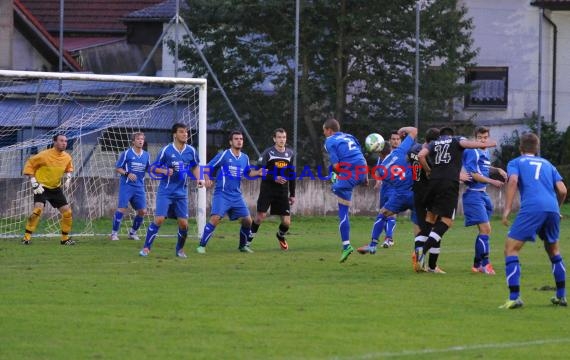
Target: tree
356 60
553 143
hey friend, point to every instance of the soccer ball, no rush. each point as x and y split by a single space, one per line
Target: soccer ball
334 178
374 143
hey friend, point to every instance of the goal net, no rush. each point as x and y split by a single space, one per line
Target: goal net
98 114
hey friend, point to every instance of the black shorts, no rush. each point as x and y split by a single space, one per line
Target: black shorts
441 197
278 201
54 196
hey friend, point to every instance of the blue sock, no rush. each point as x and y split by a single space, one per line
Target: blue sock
513 274
117 218
479 250
377 229
344 225
486 250
390 226
151 234
137 222
244 233
182 235
559 272
207 234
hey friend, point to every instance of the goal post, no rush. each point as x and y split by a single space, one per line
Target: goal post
98 114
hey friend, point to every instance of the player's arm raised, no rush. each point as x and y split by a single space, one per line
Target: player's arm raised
408 130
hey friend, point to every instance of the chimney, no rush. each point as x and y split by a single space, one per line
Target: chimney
6 33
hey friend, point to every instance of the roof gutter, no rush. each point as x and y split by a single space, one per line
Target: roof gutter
554 52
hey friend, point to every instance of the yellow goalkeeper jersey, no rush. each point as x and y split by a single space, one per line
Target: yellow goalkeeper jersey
48 167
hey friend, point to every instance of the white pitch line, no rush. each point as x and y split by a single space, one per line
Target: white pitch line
459 348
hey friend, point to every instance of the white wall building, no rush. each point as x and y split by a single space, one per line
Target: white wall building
511 51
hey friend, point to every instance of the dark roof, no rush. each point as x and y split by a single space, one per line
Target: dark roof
86 16
552 4
159 12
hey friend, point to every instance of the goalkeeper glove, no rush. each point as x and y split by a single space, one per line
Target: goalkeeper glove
36 186
67 181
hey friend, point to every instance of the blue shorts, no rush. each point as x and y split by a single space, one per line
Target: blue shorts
132 194
343 188
235 207
385 192
399 202
528 224
477 207
178 205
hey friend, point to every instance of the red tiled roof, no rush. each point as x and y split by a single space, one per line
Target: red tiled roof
80 16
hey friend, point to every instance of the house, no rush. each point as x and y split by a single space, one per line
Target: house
147 25
25 44
94 36
522 66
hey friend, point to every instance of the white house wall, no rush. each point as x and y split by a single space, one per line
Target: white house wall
25 56
168 63
562 113
506 34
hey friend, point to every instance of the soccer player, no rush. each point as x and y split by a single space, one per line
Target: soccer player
228 168
386 191
131 165
398 175
477 205
542 192
348 162
277 187
46 170
419 187
395 141
445 156
173 165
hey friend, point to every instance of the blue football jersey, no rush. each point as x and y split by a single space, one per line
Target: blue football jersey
136 164
182 162
397 170
344 148
228 170
536 182
476 161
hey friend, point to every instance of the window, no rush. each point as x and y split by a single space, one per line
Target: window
490 87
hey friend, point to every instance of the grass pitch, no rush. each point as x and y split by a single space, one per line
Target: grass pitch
100 300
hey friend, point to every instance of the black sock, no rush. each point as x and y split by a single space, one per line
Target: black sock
283 229
254 228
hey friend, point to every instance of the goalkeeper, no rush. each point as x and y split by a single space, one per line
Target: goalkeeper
46 170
